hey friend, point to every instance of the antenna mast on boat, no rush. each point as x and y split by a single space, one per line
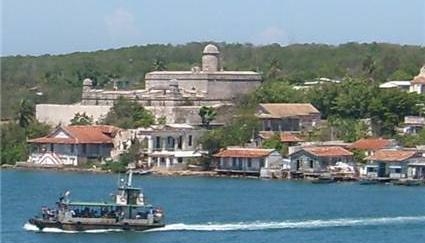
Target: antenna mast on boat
130 177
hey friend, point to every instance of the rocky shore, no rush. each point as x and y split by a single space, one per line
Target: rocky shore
155 171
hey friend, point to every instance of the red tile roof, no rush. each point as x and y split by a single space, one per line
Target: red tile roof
280 110
288 137
79 134
371 144
328 151
244 153
387 155
285 137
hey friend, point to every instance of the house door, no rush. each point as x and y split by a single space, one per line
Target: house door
298 164
381 170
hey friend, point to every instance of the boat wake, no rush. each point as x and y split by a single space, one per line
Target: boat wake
31 227
260 225
305 224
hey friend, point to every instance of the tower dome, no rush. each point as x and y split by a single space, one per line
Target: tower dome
211 49
87 82
210 58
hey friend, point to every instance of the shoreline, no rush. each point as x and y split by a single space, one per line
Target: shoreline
156 172
161 172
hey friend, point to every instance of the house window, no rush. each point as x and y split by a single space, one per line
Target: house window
52 147
371 169
180 159
397 170
170 142
233 162
180 142
72 148
190 140
84 148
261 162
311 163
249 162
157 142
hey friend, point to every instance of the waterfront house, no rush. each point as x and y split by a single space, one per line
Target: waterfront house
416 168
247 161
170 145
317 159
75 145
370 145
281 117
412 125
389 163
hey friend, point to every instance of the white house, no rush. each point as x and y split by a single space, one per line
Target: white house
247 161
74 145
170 145
418 83
390 163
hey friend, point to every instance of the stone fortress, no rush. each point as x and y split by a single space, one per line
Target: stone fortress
175 95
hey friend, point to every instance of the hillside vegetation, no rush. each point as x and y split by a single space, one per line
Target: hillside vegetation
58 78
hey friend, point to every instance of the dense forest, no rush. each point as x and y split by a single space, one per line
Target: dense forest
58 78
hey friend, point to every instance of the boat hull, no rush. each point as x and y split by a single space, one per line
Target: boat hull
81 226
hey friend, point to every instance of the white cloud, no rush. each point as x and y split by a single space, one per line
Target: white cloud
121 25
272 34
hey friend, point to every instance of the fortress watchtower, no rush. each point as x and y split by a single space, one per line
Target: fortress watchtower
210 59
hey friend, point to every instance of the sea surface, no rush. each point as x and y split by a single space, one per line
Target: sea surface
203 209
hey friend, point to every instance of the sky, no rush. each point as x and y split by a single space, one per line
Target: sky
37 27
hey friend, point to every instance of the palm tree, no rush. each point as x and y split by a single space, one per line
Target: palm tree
81 119
26 113
207 114
159 64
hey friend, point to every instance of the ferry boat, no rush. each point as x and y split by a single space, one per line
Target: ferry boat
128 211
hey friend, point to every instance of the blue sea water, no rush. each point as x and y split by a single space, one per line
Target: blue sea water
202 209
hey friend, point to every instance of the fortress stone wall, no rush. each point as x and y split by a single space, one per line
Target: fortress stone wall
176 95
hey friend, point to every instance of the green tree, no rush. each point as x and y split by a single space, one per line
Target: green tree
207 114
81 119
278 92
273 143
162 120
13 140
239 131
128 114
26 113
347 129
13 144
159 64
